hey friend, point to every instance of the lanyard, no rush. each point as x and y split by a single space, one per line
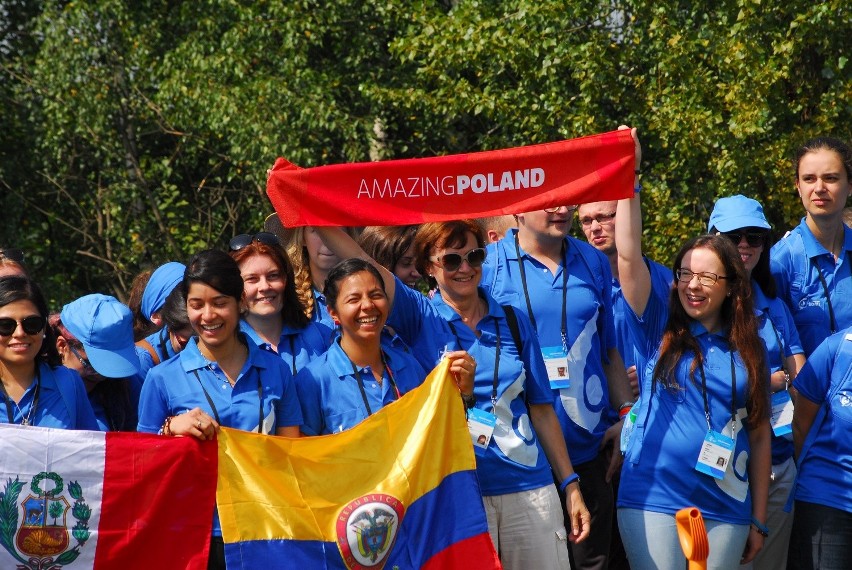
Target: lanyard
733 396
360 380
25 420
293 353
564 291
780 351
216 412
164 351
827 295
496 379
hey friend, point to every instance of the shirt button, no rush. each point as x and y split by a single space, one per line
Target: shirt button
375 385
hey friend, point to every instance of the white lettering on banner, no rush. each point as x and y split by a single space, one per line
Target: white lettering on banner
423 187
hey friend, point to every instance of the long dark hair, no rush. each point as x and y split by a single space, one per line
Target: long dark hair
738 321
387 244
18 288
214 268
292 311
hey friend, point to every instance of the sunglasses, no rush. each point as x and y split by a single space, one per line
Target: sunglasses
753 239
244 240
31 325
15 255
571 209
452 261
87 366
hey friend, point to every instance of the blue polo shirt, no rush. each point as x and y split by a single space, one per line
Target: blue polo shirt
796 262
108 388
658 472
825 467
775 323
162 345
330 396
514 460
583 409
184 381
633 351
322 319
62 402
297 347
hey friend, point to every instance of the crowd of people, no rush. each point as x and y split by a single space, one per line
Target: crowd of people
604 391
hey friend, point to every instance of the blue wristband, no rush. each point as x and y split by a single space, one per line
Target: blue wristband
761 528
568 480
637 188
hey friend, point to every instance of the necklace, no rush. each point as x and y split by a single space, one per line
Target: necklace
25 420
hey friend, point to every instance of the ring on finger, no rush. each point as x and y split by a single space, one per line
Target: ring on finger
198 424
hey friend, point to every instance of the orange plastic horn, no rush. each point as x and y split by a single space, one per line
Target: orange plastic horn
693 537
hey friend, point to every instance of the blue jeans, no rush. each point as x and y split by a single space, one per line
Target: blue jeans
821 538
651 541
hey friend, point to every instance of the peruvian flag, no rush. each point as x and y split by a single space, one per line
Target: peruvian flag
83 499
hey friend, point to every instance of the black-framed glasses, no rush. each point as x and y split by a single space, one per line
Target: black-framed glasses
12 254
601 219
571 209
705 277
87 366
753 239
452 261
244 240
31 325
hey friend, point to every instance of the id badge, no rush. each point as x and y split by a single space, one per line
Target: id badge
556 362
481 427
782 413
715 454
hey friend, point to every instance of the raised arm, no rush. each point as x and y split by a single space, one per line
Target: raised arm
633 274
345 247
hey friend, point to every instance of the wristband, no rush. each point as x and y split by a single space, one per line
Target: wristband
637 188
568 480
760 527
623 411
637 172
469 400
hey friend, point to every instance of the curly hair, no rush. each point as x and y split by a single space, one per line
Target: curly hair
739 324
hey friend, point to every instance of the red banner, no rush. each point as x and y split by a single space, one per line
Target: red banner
473 185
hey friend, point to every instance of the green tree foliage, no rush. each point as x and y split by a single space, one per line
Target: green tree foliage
138 132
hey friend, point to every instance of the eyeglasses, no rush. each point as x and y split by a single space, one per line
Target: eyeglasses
601 219
452 261
571 209
753 239
15 255
705 277
87 366
244 240
31 325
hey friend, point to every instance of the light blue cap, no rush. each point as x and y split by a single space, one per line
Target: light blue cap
736 212
105 328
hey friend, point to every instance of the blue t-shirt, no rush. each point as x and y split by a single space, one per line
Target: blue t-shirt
62 402
297 347
796 262
583 409
775 323
632 350
330 396
825 467
659 473
514 460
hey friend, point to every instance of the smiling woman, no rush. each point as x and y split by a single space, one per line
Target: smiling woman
220 378
35 389
273 316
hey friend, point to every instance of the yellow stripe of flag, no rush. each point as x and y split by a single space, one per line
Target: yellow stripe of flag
281 488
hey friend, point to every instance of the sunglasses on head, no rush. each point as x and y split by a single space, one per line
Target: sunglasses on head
31 325
452 261
244 240
753 239
15 255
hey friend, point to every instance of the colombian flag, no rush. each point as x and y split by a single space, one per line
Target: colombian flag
397 491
